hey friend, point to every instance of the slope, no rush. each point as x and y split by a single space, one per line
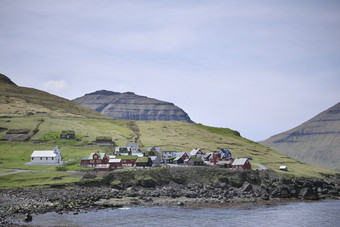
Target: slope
132 107
317 141
22 101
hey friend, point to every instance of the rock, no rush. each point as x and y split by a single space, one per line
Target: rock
180 203
28 217
309 194
246 187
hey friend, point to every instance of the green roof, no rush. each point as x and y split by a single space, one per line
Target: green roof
142 159
197 159
126 157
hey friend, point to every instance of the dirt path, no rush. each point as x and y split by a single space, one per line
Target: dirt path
19 171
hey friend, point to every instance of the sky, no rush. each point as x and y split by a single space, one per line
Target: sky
258 67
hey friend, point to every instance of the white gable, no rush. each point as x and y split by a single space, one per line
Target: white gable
239 162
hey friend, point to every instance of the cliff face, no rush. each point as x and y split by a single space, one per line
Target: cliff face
316 141
132 107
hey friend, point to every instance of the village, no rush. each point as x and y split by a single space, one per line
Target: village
131 156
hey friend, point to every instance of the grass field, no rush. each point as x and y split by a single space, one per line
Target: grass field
178 136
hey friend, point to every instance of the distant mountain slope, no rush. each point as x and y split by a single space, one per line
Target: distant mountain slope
316 141
132 107
22 101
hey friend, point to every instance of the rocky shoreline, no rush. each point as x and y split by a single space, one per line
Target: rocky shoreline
247 189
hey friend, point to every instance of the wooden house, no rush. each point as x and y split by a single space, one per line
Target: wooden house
69 134
104 141
94 159
48 157
153 151
144 161
180 157
196 152
115 163
155 160
194 161
241 164
127 159
123 151
168 154
133 147
222 157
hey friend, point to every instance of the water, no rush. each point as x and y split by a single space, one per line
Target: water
324 213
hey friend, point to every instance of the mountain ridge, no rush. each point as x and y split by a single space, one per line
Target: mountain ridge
316 141
130 106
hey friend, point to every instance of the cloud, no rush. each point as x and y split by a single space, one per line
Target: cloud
55 85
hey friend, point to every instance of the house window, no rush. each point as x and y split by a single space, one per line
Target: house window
40 158
32 158
52 158
46 158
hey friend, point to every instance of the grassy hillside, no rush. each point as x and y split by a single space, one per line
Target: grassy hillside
177 136
22 101
46 116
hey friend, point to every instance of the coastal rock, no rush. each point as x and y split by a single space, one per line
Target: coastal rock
309 194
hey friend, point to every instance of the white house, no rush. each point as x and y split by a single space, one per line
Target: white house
133 147
46 157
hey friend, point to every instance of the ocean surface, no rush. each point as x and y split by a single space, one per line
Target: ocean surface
324 213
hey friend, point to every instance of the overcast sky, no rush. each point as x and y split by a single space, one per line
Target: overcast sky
259 67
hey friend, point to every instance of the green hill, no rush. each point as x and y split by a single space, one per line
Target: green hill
22 101
45 116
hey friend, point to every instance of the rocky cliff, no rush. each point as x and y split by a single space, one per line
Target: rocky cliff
132 107
317 141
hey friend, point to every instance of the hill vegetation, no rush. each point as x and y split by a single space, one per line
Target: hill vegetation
45 116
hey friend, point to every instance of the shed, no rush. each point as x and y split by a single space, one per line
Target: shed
283 168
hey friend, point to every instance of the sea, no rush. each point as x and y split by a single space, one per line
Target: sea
323 213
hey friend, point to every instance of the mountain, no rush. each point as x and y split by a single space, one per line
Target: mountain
317 141
21 101
132 107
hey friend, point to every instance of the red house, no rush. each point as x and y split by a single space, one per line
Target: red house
241 164
94 159
127 159
115 163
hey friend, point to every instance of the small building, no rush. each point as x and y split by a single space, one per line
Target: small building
155 160
115 163
170 160
68 134
153 151
123 151
104 141
283 168
94 159
133 147
52 157
180 157
241 164
194 161
197 152
168 154
222 157
144 161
